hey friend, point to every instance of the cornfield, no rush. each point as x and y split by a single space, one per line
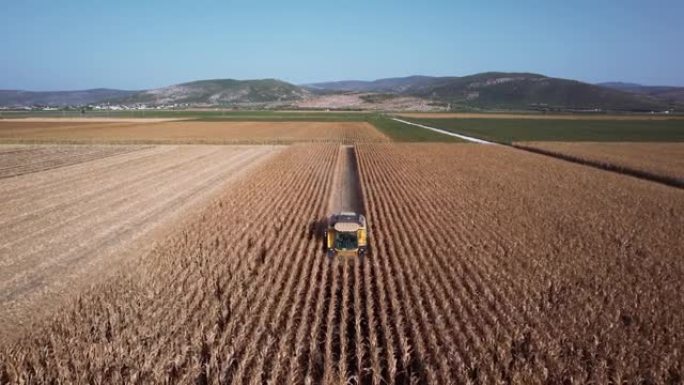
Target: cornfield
487 265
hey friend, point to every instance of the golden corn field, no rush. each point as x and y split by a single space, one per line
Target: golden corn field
487 265
152 131
665 160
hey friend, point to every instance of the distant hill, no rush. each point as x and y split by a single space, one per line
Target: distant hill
203 92
506 91
221 91
671 95
60 98
523 90
490 90
621 86
391 85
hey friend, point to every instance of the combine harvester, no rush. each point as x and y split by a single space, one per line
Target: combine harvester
346 234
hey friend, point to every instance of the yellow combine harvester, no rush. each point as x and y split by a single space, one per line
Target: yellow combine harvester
346 235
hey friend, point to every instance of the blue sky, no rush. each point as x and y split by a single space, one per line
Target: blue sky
50 45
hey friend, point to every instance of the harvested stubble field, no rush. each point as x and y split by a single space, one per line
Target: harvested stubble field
659 159
72 213
488 265
198 132
25 159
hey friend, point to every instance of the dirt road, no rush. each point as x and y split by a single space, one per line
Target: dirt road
445 132
62 225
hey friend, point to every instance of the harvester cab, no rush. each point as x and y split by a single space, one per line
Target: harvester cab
346 235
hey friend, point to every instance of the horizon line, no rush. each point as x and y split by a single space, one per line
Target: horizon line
336 81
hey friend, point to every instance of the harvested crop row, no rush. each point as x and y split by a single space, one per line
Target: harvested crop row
664 160
190 132
222 299
18 160
64 226
490 265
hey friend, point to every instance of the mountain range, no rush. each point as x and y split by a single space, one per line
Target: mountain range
490 90
512 91
668 94
60 98
220 92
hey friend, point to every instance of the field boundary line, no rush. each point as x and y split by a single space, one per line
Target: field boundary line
605 166
629 171
445 132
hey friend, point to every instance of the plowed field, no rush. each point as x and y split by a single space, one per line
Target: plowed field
68 224
17 131
488 265
661 159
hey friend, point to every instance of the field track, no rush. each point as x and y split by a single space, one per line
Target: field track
445 132
346 192
489 265
189 132
63 226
